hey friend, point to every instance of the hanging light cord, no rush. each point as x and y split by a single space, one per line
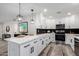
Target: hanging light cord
32 13
32 16
19 16
19 8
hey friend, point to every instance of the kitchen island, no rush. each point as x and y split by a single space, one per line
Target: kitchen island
29 45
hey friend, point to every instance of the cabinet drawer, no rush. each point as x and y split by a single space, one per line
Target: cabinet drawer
25 49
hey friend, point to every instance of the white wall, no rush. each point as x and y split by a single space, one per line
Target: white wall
39 22
1 28
77 21
13 28
42 22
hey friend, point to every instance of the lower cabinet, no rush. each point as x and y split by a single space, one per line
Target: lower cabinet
69 39
32 48
13 49
25 49
52 37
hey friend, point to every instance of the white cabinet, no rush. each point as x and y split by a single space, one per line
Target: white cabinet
53 37
36 47
47 40
69 39
39 46
13 49
29 48
25 49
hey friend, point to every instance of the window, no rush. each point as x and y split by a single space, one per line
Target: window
23 27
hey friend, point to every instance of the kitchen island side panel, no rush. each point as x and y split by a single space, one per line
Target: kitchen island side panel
13 49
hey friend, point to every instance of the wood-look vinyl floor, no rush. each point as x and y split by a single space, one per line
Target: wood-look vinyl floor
52 49
58 50
77 48
3 48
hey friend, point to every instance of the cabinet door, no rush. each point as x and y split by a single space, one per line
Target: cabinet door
25 49
30 49
40 45
53 37
67 39
13 49
35 44
70 40
46 41
49 38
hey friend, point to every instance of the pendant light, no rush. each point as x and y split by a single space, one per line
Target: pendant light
19 17
32 20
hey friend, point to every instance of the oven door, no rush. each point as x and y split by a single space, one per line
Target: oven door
60 37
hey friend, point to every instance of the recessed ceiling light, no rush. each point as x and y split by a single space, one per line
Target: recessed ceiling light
68 13
45 10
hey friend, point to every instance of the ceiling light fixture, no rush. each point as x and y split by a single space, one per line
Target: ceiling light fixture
32 11
68 13
19 17
45 10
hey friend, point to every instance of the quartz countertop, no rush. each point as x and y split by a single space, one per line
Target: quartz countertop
21 40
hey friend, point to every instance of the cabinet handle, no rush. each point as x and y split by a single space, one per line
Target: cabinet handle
71 40
42 42
26 45
35 41
49 37
32 50
40 39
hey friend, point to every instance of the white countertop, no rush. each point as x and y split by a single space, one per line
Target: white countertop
77 40
25 39
77 37
21 39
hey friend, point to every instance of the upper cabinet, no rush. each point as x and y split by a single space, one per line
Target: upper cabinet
70 21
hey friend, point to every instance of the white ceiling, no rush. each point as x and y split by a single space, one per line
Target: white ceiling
8 11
